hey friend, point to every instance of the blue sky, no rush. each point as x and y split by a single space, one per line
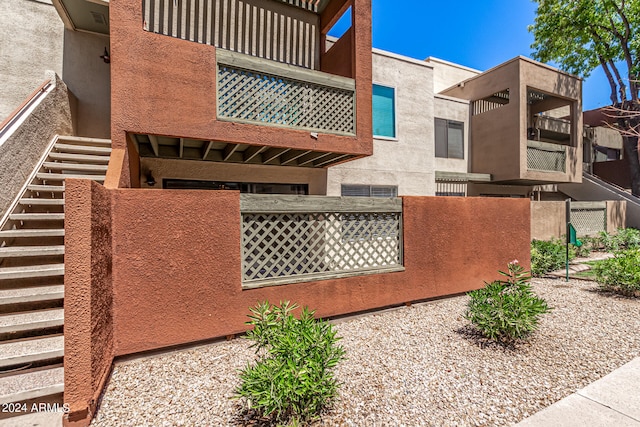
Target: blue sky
476 33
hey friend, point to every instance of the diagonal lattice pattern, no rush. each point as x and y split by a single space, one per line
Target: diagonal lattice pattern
286 244
270 99
589 221
553 161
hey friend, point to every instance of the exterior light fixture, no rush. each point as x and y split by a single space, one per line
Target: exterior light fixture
105 56
151 181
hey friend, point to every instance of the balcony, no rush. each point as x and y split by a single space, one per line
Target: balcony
260 91
526 123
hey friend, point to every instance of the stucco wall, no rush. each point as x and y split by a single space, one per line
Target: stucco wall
32 40
175 269
89 79
614 171
24 148
406 161
447 74
88 299
155 94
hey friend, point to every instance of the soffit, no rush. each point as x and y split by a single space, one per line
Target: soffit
85 15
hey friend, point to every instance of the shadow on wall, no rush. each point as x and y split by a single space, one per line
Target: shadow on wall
89 80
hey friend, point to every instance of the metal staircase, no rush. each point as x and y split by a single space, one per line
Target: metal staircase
32 272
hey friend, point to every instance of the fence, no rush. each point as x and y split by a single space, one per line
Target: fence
288 239
258 91
589 218
546 157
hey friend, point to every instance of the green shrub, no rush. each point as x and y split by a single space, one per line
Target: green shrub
506 310
548 255
620 274
293 379
624 238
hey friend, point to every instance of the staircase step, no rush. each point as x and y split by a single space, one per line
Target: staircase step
31 385
28 201
81 149
35 232
37 217
23 352
83 140
80 158
46 188
31 294
24 251
30 271
81 167
62 176
31 320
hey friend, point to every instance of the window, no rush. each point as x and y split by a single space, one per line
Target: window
384 111
370 190
449 139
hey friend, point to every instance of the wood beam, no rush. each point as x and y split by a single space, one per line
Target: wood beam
292 156
329 159
181 151
251 152
312 157
154 144
207 148
273 153
228 151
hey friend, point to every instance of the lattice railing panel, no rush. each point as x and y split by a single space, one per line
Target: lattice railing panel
276 245
552 161
589 221
265 98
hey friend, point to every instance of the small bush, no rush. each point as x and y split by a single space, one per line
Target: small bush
506 310
624 238
548 255
293 380
620 274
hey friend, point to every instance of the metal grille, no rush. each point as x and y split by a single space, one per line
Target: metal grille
451 188
265 29
303 246
589 221
265 98
540 159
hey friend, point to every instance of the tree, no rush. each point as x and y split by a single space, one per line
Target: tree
581 35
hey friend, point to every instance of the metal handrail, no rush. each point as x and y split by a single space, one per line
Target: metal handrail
11 123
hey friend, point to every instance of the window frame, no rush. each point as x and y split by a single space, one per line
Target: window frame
435 138
395 112
370 187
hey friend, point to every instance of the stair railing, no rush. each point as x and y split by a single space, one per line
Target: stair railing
15 119
14 205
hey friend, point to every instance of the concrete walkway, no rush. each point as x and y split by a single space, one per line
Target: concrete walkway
613 400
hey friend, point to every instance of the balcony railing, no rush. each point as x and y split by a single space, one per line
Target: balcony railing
546 157
288 239
259 91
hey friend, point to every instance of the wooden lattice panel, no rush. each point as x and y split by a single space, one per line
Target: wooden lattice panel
265 98
543 160
277 245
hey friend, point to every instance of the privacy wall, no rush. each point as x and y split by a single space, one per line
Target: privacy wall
175 273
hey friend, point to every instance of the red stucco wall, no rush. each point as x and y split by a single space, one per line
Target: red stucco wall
176 269
166 86
614 171
177 264
88 298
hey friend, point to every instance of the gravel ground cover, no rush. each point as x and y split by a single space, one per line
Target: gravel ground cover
413 366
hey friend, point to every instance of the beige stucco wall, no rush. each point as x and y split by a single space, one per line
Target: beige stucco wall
20 154
31 39
449 108
232 172
89 79
447 74
548 220
408 160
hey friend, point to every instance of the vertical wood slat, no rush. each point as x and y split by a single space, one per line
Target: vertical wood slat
253 27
